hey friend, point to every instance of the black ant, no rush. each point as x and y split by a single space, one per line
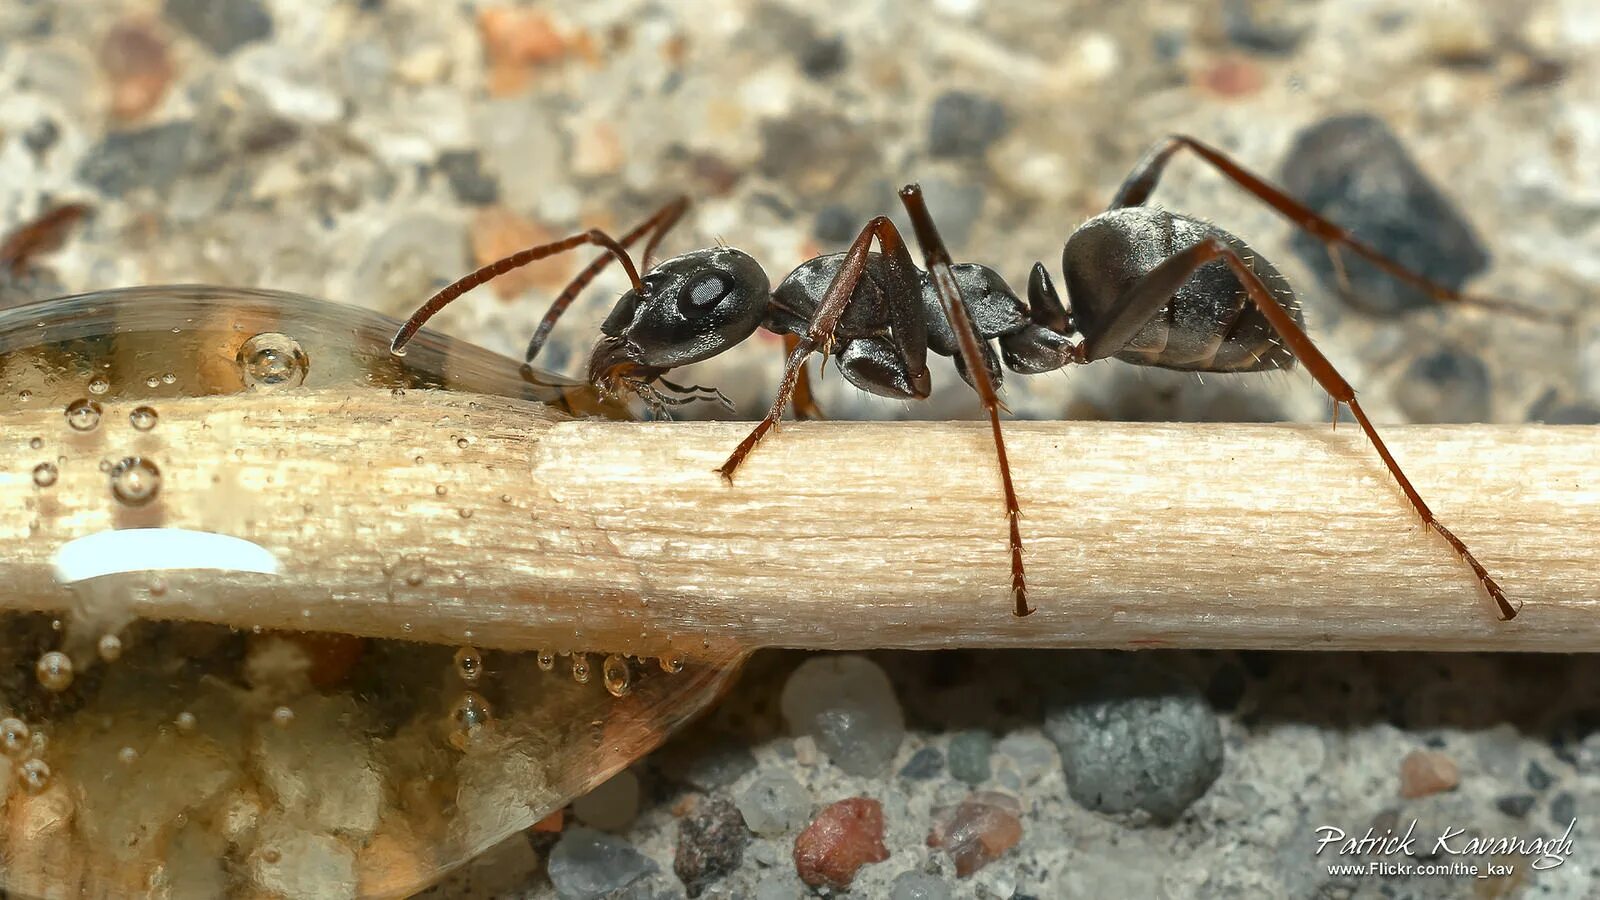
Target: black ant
1146 286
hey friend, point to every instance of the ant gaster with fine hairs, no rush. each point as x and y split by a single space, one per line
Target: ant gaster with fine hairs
1144 285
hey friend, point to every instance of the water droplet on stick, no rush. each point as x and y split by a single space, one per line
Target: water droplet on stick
135 481
616 674
143 418
271 360
83 415
44 474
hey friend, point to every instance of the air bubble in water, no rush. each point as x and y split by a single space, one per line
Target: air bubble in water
185 721
14 736
83 414
98 385
470 716
580 668
54 671
283 717
616 674
36 443
35 775
127 756
672 665
469 664
135 481
143 418
110 647
547 660
271 360
44 474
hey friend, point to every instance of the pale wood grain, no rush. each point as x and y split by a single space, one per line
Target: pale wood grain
619 536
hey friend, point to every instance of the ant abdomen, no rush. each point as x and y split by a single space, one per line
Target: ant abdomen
1210 325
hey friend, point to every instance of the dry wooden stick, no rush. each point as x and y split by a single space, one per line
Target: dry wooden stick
452 517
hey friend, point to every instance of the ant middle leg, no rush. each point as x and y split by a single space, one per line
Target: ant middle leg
904 294
1147 173
1146 297
975 358
805 402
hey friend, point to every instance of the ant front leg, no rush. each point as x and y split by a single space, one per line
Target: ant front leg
904 295
973 355
1144 177
1151 293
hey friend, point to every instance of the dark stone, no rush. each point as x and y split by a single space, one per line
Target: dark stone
589 865
1353 170
836 224
1137 741
965 124
1445 387
823 57
816 152
1227 687
222 25
1538 778
924 764
41 137
1553 409
709 764
126 160
969 756
1246 27
1563 809
1516 805
470 184
711 842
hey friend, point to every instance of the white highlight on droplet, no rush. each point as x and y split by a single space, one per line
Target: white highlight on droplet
159 549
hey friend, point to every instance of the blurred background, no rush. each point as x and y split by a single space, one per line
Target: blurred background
368 151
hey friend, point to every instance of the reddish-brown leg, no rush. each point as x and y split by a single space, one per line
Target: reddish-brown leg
660 221
820 331
955 309
1147 296
805 402
657 226
44 234
1136 189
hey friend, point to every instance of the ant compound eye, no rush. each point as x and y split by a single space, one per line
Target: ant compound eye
702 294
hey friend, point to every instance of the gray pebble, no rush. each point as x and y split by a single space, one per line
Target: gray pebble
1563 809
1353 170
1447 386
969 756
708 764
1538 778
1515 805
775 804
588 865
847 705
657 886
1142 744
1246 26
127 160
964 124
1553 409
778 888
468 181
923 764
222 25
919 886
711 842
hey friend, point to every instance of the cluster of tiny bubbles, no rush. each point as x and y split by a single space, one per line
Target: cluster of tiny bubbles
14 736
272 360
35 775
44 474
98 385
135 481
143 418
547 660
580 668
469 664
283 717
470 715
110 647
83 414
54 671
617 675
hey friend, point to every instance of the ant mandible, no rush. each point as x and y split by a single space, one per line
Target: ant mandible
1146 286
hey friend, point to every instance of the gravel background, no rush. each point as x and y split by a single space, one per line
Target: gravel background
367 151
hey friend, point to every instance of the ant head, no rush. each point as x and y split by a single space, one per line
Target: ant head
694 306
